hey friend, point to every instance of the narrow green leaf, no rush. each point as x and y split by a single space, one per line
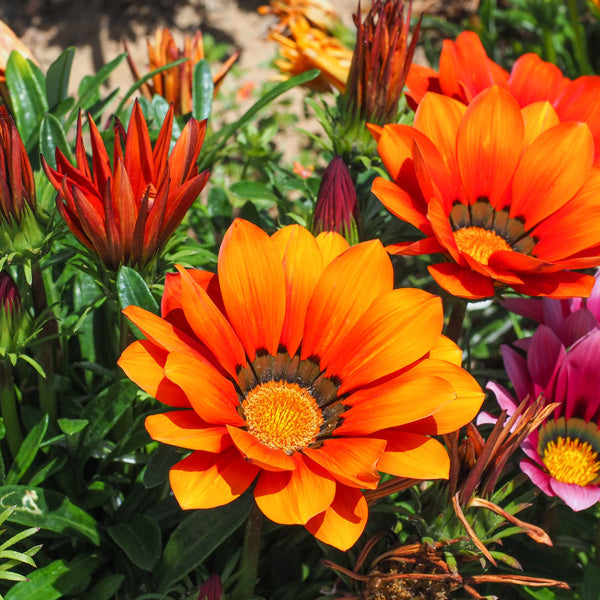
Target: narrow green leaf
203 89
253 190
157 469
132 289
52 135
57 78
103 412
28 96
216 142
55 580
106 588
140 539
27 452
88 89
10 576
18 556
46 509
196 537
18 537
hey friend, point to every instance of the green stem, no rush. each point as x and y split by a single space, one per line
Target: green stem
46 347
8 407
550 51
455 321
580 49
244 589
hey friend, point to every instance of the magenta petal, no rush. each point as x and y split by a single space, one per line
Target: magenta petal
576 497
554 312
503 396
529 446
577 325
537 476
526 307
516 368
544 357
593 302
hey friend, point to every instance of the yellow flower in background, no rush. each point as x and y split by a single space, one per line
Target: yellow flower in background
310 48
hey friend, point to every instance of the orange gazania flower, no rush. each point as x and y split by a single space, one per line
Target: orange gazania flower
297 367
310 48
320 13
509 196
126 212
175 84
466 70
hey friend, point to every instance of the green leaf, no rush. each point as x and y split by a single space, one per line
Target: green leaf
203 89
27 94
55 580
52 135
27 452
132 289
88 89
46 509
157 469
106 588
103 412
72 426
216 142
57 78
196 537
253 190
140 539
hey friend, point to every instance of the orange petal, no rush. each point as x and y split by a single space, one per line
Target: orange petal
162 332
399 328
414 456
205 480
332 244
143 363
392 403
351 461
210 325
344 292
184 428
295 496
545 179
489 145
461 282
139 163
428 245
562 284
272 459
303 265
533 79
211 395
538 117
343 522
447 350
171 299
253 285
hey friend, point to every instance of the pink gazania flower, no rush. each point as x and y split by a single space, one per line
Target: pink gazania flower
296 368
563 453
465 71
570 319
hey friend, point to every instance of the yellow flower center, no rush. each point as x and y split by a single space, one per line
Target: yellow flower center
479 243
571 461
282 415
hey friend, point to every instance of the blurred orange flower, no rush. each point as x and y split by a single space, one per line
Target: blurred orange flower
466 70
175 84
310 48
9 41
320 13
488 188
127 212
297 366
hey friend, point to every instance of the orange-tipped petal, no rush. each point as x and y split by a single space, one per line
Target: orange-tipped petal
186 429
533 79
295 496
538 117
252 282
143 363
462 282
344 292
271 459
399 328
489 144
545 179
351 461
447 350
303 265
205 480
210 325
332 244
211 395
414 456
343 522
392 403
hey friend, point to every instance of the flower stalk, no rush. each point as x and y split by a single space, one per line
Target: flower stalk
250 555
